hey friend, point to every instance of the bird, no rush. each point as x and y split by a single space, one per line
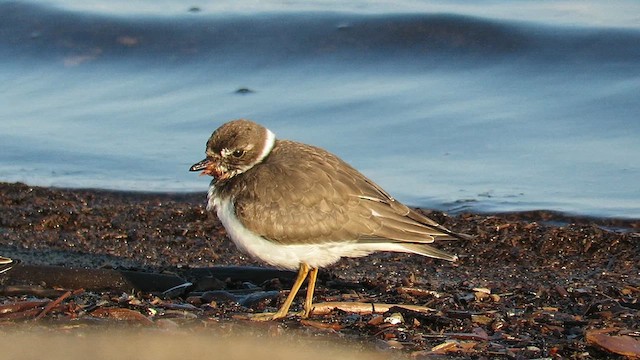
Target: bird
299 207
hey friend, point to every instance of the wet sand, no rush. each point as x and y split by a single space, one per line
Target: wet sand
533 284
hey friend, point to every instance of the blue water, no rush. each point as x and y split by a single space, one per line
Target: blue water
506 106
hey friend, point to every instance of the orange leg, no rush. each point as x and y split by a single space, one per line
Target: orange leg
284 309
311 286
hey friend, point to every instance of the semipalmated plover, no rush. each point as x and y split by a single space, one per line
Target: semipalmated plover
297 206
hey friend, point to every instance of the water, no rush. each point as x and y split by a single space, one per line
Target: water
448 105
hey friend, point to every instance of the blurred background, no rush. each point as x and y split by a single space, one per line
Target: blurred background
453 105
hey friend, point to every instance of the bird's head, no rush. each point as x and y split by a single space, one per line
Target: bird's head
234 148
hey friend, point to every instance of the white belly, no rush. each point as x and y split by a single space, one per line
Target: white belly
279 255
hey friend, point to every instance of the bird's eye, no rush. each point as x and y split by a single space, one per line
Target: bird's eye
238 153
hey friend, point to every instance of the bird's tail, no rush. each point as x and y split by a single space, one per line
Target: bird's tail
430 251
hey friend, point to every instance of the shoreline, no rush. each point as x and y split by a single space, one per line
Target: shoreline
534 214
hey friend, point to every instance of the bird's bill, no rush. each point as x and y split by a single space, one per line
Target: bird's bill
212 168
200 165
207 166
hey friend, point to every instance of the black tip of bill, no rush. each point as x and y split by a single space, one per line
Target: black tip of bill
201 165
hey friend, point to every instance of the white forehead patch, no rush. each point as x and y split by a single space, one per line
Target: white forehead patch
225 152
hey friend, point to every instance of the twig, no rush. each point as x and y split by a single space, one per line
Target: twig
362 307
52 304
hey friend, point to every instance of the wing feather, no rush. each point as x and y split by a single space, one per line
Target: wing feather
327 201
